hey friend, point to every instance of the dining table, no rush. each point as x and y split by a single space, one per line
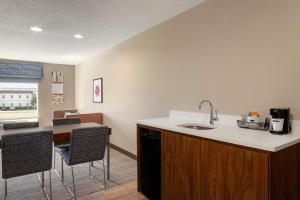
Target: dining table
61 133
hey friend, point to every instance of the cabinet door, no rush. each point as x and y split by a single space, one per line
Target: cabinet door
234 173
182 173
199 169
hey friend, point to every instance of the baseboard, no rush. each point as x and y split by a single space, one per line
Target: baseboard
127 153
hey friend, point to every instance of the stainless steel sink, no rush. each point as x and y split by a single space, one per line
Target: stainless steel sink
196 126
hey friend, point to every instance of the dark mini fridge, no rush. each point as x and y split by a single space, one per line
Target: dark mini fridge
150 163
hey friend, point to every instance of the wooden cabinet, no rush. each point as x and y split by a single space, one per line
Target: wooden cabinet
195 168
234 173
201 169
182 169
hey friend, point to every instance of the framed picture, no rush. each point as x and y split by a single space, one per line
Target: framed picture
57 88
98 90
57 77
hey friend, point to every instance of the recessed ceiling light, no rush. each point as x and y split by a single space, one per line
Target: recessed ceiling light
36 29
78 36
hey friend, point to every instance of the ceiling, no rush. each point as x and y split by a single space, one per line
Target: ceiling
103 23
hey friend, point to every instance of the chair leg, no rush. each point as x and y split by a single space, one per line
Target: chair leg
43 180
97 180
5 189
54 164
50 184
104 174
62 170
108 158
61 178
54 157
73 182
90 166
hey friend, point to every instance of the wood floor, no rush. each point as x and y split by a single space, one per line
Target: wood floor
127 191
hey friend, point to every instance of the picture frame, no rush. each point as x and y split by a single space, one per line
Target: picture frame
57 88
98 90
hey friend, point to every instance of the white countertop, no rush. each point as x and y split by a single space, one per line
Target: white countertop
226 131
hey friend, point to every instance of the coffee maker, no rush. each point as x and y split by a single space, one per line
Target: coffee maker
283 116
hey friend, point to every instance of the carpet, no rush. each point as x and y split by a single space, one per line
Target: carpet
122 170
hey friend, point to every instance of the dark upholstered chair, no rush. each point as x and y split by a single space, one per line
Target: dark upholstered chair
64 121
58 122
86 145
26 153
19 125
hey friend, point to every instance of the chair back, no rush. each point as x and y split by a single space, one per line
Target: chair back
19 125
87 145
65 121
26 153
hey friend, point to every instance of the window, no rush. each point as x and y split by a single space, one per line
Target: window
22 104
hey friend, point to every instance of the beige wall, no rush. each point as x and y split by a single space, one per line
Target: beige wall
45 102
242 55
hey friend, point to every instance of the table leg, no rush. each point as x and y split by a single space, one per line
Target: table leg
108 158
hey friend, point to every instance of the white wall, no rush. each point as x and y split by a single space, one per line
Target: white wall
46 107
242 55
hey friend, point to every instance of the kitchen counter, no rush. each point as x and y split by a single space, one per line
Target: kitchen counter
225 130
226 162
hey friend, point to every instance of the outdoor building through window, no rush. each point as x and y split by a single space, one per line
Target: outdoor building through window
19 102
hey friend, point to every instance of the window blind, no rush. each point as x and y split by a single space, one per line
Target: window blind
21 70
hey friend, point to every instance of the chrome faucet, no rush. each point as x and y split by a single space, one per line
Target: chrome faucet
212 117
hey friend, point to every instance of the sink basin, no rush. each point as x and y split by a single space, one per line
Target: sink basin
196 126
